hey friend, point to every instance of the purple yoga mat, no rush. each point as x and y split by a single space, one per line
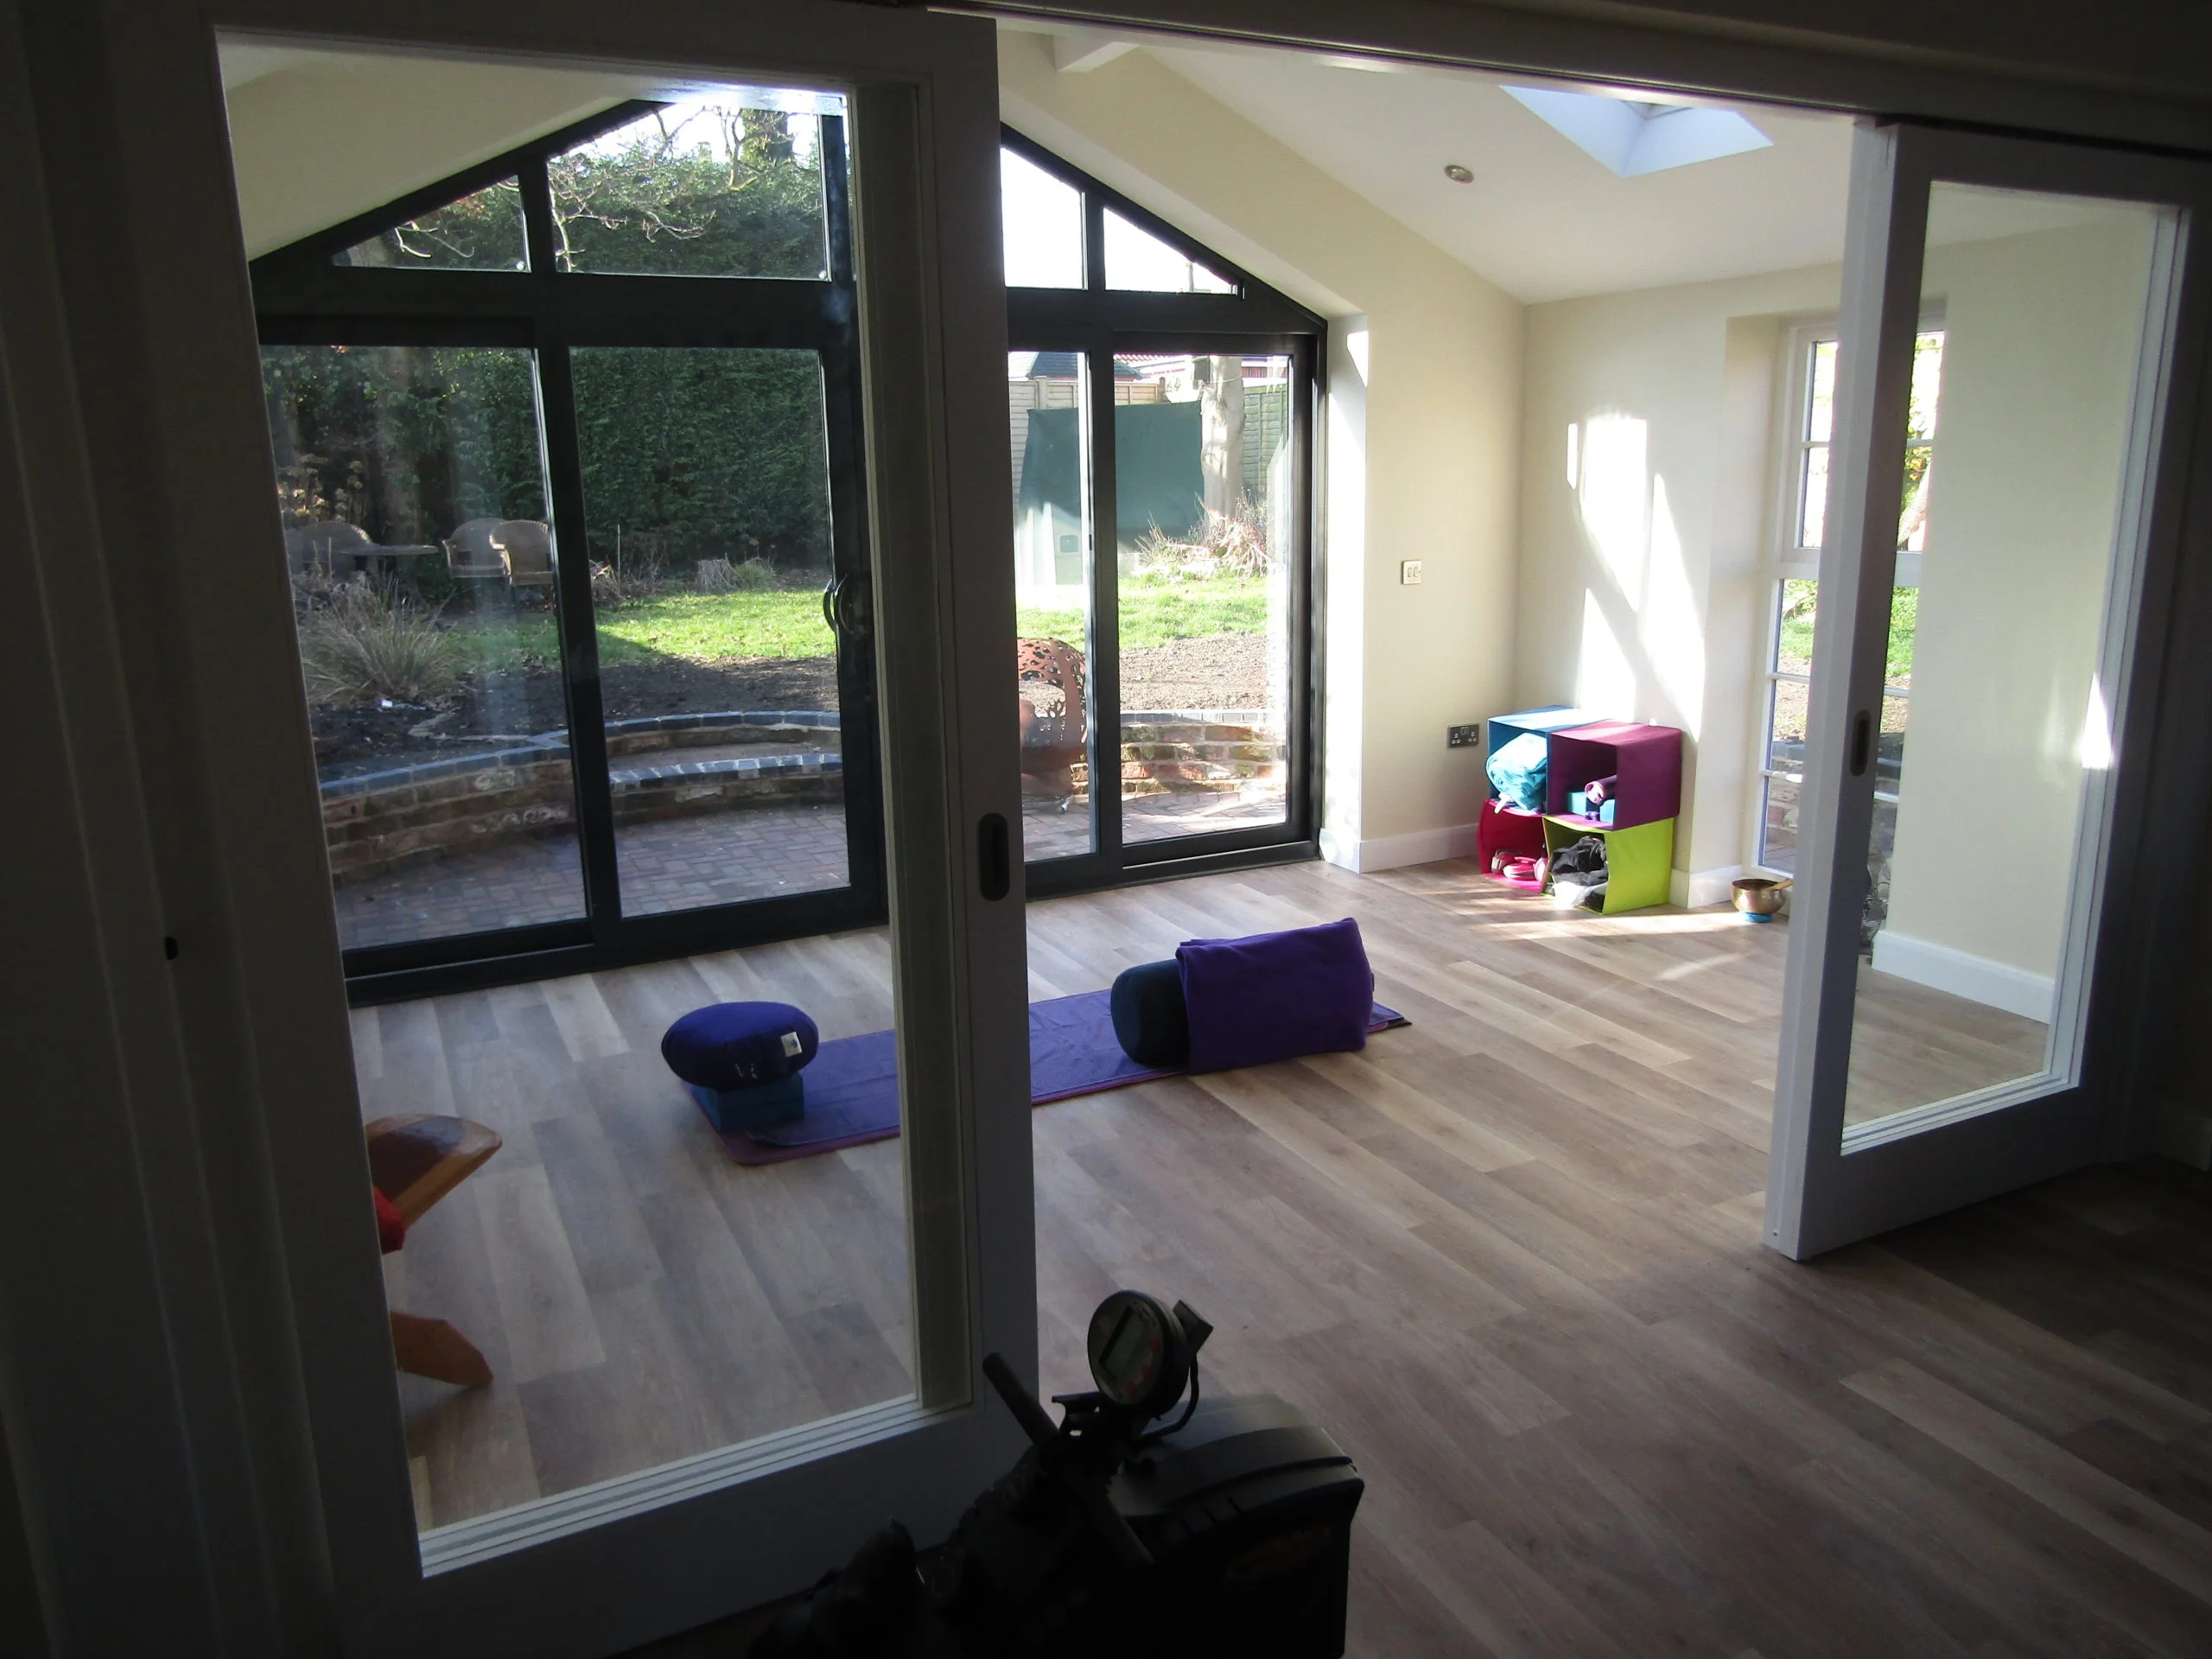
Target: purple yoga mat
852 1088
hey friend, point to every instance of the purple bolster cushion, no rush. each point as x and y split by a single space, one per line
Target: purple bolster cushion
1274 996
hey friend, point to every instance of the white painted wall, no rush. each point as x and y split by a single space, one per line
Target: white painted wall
1644 587
1421 437
1643 582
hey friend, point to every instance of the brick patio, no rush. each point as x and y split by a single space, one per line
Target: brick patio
764 852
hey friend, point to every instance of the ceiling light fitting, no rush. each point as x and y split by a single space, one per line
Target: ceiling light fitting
1458 173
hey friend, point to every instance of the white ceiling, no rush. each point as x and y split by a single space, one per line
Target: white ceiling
1542 219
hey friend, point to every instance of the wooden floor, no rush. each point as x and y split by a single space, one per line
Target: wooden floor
1509 1256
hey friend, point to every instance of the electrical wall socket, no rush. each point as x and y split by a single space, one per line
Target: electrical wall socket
1462 737
1409 572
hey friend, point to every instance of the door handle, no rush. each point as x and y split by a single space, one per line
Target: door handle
845 605
993 856
1862 742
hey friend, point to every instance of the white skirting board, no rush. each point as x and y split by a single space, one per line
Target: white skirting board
1691 889
1993 984
1695 889
1390 852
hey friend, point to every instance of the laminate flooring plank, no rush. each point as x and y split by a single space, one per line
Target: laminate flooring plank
364 1031
2177 1374
2175 1474
729 1331
587 1028
849 1360
544 1309
1457 1134
605 1224
2108 1509
641 1405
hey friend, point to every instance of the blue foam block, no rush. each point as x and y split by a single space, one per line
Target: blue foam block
754 1108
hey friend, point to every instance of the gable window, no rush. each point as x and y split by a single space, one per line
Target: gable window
569 460
1811 400
1160 408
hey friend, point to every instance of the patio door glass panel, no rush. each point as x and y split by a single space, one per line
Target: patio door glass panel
1048 402
1204 504
1995 726
433 681
1999 522
706 502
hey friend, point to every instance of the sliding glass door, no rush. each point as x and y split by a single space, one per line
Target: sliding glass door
569 467
1160 411
2001 511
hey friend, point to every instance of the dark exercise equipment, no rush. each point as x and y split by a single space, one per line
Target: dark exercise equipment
1227 1532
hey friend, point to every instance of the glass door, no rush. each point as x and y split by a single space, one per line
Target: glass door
1161 418
570 447
1998 508
572 478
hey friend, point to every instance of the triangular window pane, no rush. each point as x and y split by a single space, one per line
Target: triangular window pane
1138 259
479 232
727 184
1043 217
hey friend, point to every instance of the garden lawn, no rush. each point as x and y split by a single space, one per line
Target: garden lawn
699 629
1798 608
740 627
1156 609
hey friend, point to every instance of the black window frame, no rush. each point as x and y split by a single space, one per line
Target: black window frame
303 297
1099 323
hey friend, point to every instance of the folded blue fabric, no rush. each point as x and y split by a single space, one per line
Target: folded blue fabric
1517 770
761 1106
1274 996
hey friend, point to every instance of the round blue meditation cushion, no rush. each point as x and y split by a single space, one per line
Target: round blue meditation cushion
737 1045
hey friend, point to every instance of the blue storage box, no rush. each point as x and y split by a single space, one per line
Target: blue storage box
756 1107
1503 728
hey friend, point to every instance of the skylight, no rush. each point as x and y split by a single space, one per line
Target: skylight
1632 137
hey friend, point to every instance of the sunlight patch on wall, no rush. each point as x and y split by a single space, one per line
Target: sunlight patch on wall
1613 495
1604 681
2096 729
1672 624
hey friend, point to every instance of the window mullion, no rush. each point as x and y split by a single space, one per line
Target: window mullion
539 238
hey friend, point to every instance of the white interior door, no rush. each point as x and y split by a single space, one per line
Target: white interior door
2021 349
602 1562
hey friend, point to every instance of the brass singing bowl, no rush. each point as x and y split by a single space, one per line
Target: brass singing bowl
1755 895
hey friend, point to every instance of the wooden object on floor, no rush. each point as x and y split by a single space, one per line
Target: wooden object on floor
416 1159
434 1349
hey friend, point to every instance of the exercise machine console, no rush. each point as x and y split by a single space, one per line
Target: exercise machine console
1226 1531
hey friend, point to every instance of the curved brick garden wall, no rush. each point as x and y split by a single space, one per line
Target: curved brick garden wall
1220 749
379 821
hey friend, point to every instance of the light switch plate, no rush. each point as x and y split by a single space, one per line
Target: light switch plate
1409 572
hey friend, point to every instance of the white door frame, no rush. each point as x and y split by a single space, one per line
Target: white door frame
161 319
1828 1186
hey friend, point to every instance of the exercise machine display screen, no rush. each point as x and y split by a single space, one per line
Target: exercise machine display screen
1133 1342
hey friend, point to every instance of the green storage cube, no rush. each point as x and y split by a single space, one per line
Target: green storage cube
1639 859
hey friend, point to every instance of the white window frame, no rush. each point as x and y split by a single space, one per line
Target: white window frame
1789 561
